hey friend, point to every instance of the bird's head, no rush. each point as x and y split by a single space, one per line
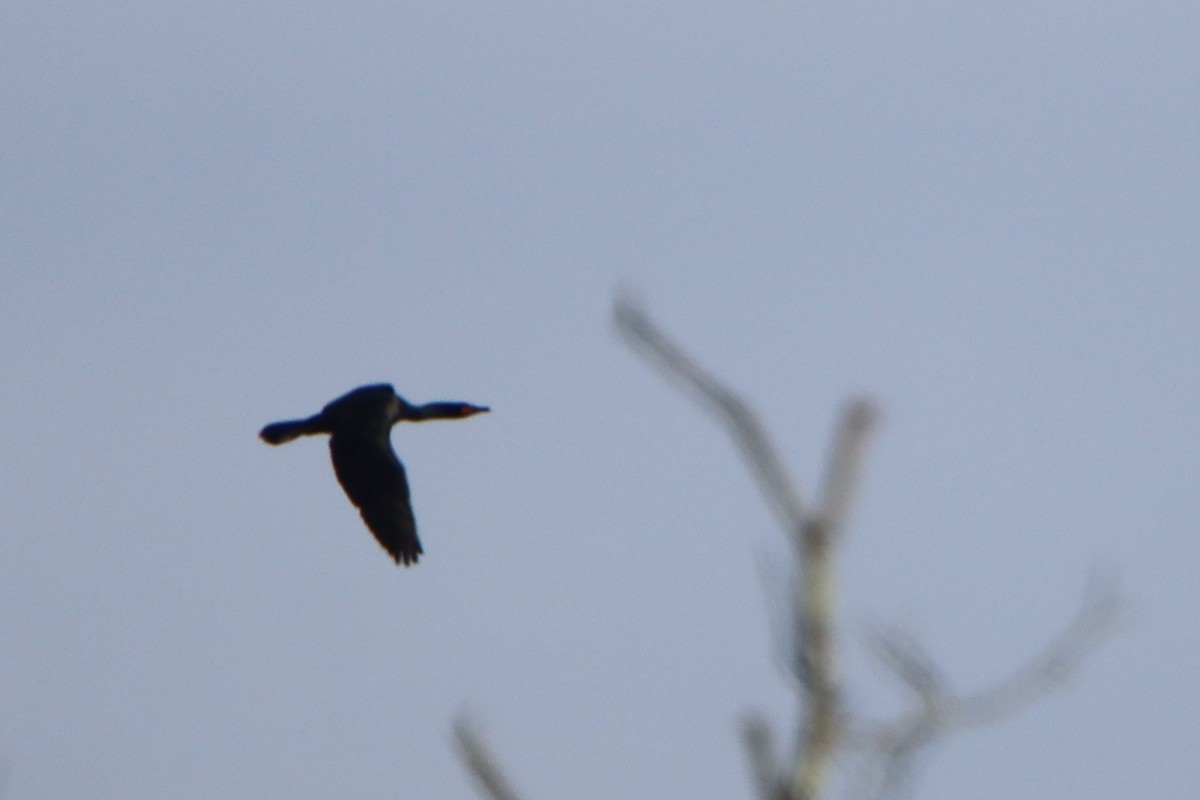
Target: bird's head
468 410
439 410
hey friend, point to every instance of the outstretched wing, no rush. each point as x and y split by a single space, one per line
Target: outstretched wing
374 480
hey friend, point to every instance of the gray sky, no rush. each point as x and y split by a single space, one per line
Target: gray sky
216 216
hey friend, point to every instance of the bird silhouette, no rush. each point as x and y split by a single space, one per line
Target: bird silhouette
359 424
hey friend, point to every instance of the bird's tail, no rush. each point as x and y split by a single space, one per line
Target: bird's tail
280 432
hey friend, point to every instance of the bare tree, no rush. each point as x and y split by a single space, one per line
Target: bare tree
880 754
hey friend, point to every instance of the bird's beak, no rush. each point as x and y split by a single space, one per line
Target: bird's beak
469 410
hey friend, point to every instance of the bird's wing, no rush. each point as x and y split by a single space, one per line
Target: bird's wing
373 477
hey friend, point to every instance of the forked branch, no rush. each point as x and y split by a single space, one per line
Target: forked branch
813 536
885 751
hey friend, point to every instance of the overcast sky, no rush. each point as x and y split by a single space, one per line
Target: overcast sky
216 215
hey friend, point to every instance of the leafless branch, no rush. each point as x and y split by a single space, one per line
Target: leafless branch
759 742
748 434
908 661
814 658
481 764
886 751
889 749
1054 665
845 465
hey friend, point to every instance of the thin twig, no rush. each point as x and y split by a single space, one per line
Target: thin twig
764 761
481 764
889 749
747 432
1054 665
845 465
908 660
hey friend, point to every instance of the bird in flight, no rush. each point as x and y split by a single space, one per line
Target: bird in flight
359 424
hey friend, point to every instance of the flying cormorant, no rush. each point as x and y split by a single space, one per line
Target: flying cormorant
359 424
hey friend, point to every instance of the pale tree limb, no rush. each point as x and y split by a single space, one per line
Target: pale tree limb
840 488
812 535
764 463
815 598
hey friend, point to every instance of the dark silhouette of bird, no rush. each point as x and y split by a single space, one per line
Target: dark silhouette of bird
359 424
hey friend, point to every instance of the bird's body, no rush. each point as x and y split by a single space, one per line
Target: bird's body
359 424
